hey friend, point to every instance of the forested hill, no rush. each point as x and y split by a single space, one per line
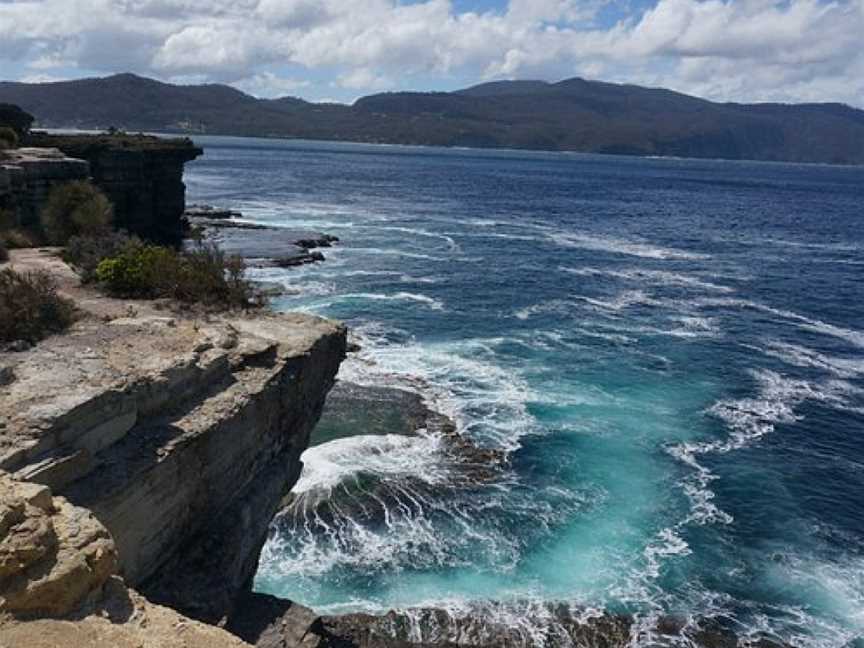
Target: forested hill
572 115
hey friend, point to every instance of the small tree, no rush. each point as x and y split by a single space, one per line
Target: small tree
76 209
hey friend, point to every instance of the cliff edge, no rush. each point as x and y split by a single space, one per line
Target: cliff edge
180 433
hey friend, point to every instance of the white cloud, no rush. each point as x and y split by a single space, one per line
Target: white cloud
364 79
268 84
723 49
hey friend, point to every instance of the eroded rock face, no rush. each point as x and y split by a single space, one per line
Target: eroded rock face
181 436
142 177
27 176
53 555
58 583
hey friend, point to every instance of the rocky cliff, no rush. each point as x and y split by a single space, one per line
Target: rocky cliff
141 175
181 435
27 176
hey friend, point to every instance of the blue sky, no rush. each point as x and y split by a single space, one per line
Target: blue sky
741 50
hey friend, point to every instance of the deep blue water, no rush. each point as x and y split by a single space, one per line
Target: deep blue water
671 352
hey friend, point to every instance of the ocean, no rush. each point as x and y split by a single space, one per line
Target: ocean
669 353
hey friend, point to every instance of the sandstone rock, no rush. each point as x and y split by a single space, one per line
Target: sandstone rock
27 176
269 622
58 583
52 554
120 618
181 436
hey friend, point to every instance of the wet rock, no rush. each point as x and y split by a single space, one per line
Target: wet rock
205 223
210 212
268 248
353 409
269 622
437 628
322 240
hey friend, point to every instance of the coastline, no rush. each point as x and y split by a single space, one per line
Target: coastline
395 387
367 402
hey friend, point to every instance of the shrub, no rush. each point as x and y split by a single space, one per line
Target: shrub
139 270
4 253
8 138
210 277
75 209
12 236
30 308
203 275
85 253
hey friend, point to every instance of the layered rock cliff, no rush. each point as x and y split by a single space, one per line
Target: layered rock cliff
27 176
181 435
142 177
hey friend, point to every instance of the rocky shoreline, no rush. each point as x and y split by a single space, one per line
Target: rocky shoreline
145 456
180 433
261 246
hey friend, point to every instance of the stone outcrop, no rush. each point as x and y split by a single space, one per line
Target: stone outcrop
27 176
59 587
181 435
259 245
52 554
141 175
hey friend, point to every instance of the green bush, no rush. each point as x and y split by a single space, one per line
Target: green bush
139 270
208 276
85 253
75 209
203 275
8 138
30 308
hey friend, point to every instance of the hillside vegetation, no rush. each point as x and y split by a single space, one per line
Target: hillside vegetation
572 115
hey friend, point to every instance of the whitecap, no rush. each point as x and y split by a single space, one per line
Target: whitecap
817 326
653 277
461 379
430 302
804 357
666 543
415 231
622 246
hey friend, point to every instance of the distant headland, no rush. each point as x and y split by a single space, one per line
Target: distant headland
571 115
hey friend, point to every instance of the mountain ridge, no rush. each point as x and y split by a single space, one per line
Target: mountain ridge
569 115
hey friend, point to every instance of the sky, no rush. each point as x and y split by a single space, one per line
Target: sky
339 50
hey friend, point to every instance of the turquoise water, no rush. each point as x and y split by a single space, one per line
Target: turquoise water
670 352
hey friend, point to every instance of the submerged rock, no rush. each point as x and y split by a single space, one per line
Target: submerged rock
209 211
